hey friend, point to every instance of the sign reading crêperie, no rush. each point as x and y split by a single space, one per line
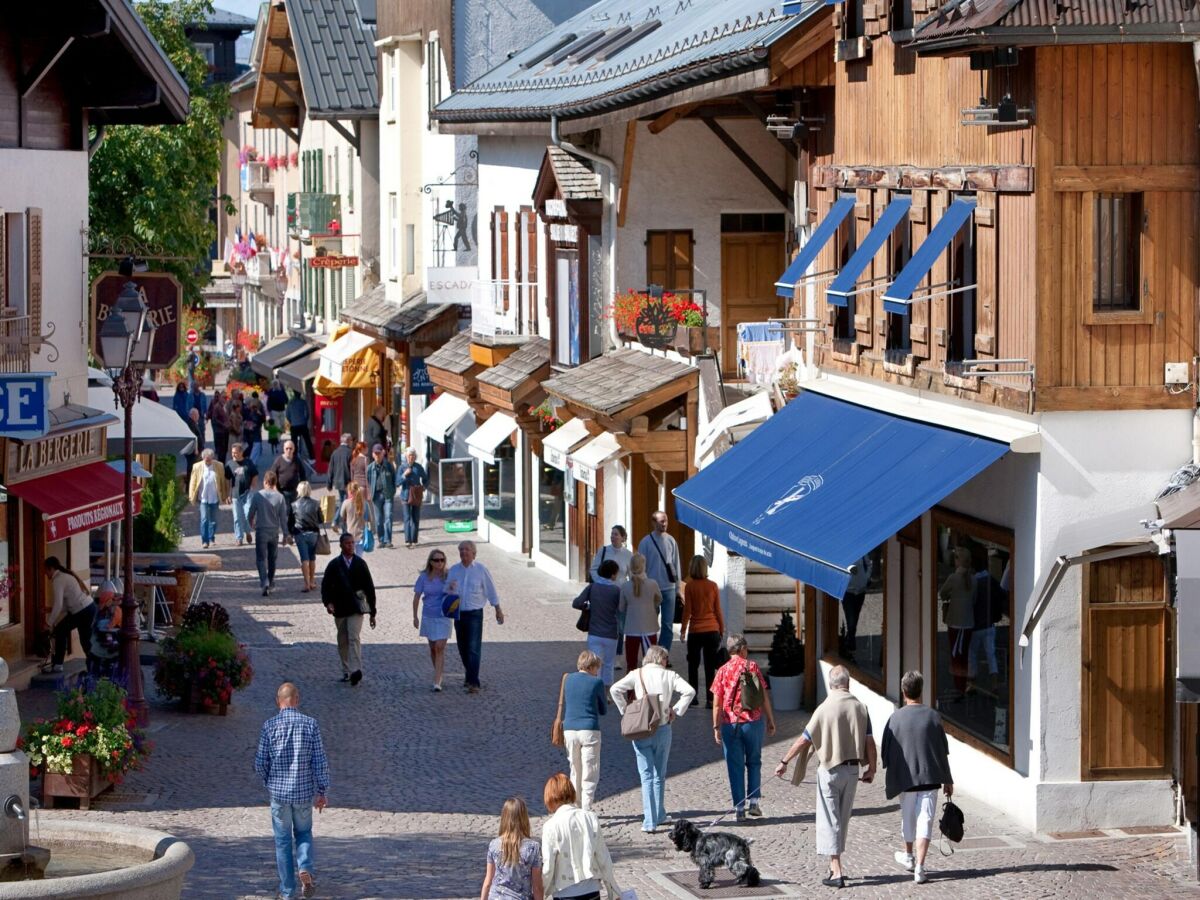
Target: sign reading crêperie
164 298
55 453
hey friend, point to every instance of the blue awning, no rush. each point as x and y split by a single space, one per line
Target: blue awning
823 482
898 297
847 279
786 284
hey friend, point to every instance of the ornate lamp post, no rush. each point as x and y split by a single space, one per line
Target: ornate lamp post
126 340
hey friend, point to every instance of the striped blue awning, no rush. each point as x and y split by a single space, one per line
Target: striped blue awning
898 297
786 285
844 285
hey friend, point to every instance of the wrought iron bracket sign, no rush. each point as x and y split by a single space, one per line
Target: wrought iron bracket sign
655 326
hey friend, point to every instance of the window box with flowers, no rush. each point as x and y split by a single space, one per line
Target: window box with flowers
88 746
546 417
672 321
203 664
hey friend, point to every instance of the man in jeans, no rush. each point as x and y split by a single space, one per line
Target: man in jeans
473 583
297 417
662 565
268 518
292 764
241 474
346 582
381 488
339 475
288 474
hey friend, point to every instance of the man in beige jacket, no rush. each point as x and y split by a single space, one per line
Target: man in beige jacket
209 488
839 735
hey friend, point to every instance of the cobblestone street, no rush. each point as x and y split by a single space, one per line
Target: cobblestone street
419 778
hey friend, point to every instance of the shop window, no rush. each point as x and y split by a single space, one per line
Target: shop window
960 306
567 347
973 629
857 624
500 488
1116 252
552 513
669 259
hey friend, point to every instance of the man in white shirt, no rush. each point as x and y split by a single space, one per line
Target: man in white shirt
473 583
662 564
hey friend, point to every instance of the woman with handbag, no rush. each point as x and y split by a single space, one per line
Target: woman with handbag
358 518
576 728
600 602
654 687
307 514
575 860
640 600
433 625
413 482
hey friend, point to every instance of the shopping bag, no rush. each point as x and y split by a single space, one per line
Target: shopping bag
323 548
368 540
328 508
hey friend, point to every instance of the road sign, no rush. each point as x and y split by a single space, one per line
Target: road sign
24 404
193 336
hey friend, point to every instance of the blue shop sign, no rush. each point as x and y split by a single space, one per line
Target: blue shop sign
418 376
24 404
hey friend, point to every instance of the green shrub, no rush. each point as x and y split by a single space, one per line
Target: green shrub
156 528
785 659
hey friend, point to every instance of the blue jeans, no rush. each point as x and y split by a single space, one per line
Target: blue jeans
383 519
208 522
306 545
412 523
667 635
468 631
742 745
337 516
241 513
652 753
292 821
266 547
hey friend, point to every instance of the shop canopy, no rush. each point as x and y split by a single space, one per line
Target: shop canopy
349 362
157 429
823 482
794 274
589 459
564 438
483 440
297 374
92 496
898 297
846 283
440 416
279 352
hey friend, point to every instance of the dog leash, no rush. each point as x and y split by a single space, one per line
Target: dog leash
716 822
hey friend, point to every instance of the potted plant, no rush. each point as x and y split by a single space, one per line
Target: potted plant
670 321
89 745
785 665
203 664
788 381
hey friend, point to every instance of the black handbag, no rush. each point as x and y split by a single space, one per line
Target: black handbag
952 822
584 622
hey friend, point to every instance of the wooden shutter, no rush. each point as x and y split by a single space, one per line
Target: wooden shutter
918 332
864 220
658 257
33 219
681 261
500 271
939 274
529 218
987 273
1126 717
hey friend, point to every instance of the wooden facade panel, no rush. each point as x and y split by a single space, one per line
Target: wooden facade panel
1016 286
815 70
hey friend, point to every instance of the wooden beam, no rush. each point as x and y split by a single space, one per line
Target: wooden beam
1126 178
749 162
284 44
675 389
693 426
282 82
670 117
272 114
352 139
756 111
40 69
786 56
1005 179
654 442
626 171
1114 397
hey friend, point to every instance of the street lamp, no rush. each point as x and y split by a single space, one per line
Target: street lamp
126 341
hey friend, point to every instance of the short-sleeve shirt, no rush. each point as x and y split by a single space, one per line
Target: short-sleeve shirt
514 882
727 688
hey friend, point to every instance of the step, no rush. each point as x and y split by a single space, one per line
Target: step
762 620
769 581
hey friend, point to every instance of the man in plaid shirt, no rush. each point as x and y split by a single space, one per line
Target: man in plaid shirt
291 762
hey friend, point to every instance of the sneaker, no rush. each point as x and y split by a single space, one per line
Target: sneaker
308 887
740 816
437 688
919 876
904 859
345 677
204 545
754 810
356 676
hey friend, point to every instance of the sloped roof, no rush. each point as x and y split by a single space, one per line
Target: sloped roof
224 20
634 51
397 321
513 371
615 381
575 180
454 356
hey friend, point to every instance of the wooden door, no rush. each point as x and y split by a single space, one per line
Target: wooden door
750 266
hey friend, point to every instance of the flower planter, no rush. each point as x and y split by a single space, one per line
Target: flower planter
787 693
193 704
84 782
692 340
178 594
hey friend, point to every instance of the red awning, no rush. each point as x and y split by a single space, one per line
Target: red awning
78 500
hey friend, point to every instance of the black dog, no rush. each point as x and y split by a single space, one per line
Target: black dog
720 848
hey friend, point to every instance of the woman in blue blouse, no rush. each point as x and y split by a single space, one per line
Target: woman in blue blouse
583 705
434 627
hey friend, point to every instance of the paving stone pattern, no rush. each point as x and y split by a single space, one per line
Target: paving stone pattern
419 778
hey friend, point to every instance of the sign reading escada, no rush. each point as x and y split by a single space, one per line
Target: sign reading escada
24 404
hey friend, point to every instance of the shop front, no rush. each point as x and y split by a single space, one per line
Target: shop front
348 386
438 441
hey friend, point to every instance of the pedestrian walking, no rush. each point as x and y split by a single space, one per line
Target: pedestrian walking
198 400
72 607
218 417
291 762
702 626
662 565
306 513
514 859
839 734
268 517
273 432
349 594
915 756
359 460
207 487
241 475
252 420
375 431
434 625
195 425
414 481
381 488
180 402
640 601
339 474
289 472
654 677
617 551
298 419
602 600
575 860
358 516
277 401
584 702
741 714
473 584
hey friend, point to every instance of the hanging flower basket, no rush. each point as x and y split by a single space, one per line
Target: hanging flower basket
657 321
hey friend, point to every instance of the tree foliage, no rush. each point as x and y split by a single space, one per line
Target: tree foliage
155 184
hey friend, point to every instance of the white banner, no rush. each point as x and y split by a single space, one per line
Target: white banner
451 284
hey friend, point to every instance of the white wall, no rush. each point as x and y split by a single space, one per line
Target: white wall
508 169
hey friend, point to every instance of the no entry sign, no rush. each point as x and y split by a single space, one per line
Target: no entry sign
192 336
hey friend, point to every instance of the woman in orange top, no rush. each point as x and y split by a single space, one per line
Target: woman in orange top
702 626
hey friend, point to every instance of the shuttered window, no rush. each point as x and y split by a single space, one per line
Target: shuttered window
1116 249
669 259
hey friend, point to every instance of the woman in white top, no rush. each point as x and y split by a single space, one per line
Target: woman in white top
73 608
575 859
638 610
654 678
616 550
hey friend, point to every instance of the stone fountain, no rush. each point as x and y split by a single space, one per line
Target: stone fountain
18 861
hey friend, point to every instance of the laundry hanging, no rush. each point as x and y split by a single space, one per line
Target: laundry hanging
759 346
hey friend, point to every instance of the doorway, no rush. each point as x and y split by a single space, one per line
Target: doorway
752 257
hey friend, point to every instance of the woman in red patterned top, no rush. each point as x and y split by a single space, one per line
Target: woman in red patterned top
738 727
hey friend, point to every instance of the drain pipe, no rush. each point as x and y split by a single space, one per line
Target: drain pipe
608 182
1196 360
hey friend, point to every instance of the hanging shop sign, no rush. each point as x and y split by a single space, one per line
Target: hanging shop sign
25 404
564 234
451 284
333 261
456 477
556 209
418 376
55 453
163 297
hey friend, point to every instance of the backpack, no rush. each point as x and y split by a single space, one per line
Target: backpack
750 689
952 821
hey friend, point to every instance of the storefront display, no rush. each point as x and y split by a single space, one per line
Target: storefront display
858 622
456 483
551 497
499 489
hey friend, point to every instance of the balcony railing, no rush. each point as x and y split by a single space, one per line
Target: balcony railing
504 308
17 342
261 182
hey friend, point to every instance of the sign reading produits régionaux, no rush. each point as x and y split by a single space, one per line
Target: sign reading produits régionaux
452 284
25 404
164 299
